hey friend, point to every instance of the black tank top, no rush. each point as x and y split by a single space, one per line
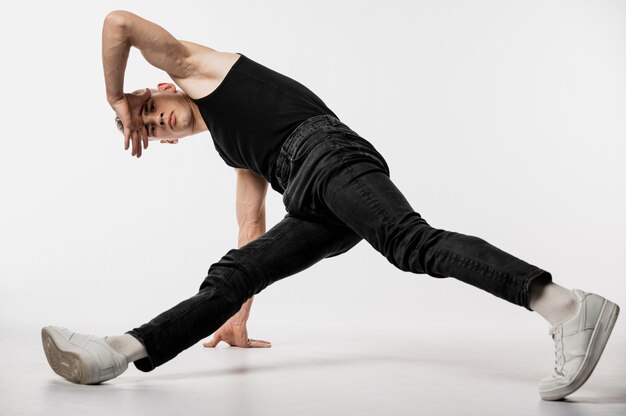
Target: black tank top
252 111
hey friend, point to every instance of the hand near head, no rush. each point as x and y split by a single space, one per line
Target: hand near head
128 109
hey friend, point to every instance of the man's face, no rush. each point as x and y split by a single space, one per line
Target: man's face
167 114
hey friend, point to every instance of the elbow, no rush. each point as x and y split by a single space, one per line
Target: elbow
117 20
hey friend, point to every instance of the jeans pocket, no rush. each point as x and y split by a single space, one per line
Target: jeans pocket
364 147
354 141
304 147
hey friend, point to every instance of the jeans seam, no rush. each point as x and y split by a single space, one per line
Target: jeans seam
183 312
369 151
474 265
273 240
210 295
524 296
360 184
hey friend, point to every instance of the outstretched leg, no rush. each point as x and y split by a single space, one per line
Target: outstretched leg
289 247
359 192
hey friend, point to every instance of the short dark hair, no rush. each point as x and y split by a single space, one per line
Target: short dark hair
119 124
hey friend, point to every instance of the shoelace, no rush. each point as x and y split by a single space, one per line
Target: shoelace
559 360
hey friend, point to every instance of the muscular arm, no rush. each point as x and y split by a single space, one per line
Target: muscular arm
195 68
250 207
121 30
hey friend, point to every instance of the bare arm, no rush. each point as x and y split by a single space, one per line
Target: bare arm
190 65
121 30
250 207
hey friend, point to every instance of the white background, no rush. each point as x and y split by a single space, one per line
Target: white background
500 119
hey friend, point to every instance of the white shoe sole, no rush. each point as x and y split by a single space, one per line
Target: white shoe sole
599 338
68 360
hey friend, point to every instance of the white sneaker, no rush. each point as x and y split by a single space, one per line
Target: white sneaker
579 343
83 359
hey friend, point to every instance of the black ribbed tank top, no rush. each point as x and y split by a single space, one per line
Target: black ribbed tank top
253 111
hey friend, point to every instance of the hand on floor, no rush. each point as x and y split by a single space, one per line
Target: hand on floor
235 336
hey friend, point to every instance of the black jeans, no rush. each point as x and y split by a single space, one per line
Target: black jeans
337 191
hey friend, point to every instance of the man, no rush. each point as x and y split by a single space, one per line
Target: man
337 191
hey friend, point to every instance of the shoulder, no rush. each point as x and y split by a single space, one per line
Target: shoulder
207 69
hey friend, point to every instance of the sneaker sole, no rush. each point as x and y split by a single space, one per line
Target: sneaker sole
66 359
599 338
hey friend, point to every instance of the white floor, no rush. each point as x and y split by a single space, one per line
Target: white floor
324 371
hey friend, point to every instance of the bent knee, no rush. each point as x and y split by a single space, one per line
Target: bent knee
410 247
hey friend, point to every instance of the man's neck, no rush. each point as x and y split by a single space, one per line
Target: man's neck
198 122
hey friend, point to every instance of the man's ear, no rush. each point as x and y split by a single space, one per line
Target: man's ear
166 86
170 141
